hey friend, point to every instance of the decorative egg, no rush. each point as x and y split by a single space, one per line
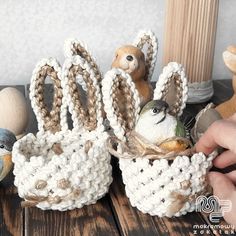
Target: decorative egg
204 119
14 113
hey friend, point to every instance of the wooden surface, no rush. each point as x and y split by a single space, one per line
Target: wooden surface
190 28
112 215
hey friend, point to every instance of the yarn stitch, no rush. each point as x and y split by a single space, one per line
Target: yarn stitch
173 72
143 38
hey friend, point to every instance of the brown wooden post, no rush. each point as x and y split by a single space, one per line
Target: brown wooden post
190 29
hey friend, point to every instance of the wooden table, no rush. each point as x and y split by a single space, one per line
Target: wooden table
112 215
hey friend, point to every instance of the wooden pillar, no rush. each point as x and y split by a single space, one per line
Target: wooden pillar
190 29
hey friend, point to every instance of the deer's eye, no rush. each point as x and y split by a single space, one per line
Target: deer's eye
129 58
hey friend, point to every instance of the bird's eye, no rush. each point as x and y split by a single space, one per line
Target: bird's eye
129 58
2 146
155 111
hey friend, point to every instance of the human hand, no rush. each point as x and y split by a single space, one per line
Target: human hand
222 133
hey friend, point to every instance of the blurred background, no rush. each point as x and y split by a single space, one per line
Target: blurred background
31 30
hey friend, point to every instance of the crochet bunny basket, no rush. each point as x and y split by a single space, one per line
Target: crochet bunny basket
58 168
157 183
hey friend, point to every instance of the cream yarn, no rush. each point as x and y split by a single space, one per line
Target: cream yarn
147 37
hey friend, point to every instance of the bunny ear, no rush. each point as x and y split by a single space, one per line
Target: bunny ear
121 101
172 88
73 47
85 114
81 68
47 120
148 37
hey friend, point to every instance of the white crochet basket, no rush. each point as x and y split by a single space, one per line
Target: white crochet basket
159 186
58 168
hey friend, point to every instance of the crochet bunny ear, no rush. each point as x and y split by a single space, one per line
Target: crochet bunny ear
172 88
143 38
80 64
121 101
47 120
73 47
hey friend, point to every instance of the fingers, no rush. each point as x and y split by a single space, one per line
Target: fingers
232 118
223 188
220 133
225 159
232 176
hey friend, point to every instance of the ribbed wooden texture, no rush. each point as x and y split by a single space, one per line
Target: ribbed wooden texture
190 28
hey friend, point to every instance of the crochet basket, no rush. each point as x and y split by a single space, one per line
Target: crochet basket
59 168
159 185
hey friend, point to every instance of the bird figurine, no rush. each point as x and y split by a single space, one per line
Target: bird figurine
7 139
132 60
156 125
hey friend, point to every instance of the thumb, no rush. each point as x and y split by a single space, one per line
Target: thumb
223 188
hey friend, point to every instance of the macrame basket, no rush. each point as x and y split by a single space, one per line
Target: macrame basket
59 168
162 184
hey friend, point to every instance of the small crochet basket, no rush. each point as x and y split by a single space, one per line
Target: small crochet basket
162 184
59 168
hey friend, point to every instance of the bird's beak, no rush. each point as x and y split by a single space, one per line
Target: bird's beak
7 165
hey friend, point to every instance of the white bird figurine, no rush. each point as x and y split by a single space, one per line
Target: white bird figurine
156 125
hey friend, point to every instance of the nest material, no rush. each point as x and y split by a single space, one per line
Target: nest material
137 146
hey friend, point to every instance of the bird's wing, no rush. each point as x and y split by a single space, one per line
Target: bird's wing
180 130
1 164
6 164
